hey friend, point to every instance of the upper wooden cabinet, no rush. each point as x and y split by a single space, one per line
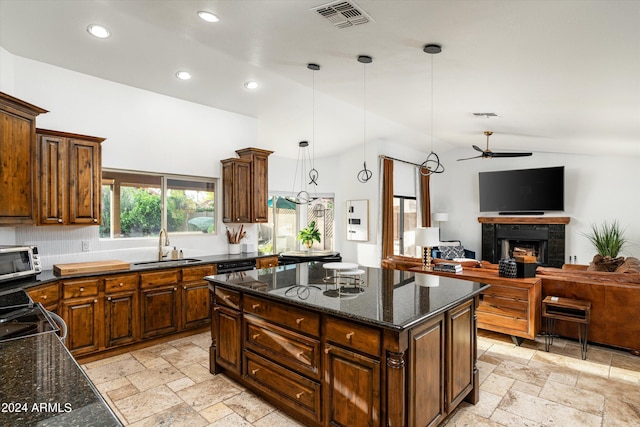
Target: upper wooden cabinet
245 186
69 169
17 160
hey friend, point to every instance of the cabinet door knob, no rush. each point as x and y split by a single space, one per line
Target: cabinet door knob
299 320
184 287
254 371
255 306
175 288
299 355
81 289
121 284
255 336
350 335
226 297
60 220
95 220
299 395
44 297
95 301
108 298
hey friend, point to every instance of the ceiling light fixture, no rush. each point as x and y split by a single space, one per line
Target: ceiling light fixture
98 31
183 75
251 85
365 174
208 16
432 164
302 197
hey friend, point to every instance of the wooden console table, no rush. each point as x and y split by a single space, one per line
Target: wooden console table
509 306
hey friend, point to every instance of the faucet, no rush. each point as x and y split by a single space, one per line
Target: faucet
161 252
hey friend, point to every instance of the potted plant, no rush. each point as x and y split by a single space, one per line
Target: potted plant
309 234
608 239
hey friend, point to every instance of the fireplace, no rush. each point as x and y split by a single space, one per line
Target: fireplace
508 237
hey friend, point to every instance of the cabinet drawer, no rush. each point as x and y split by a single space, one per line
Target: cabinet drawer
46 295
192 274
159 278
504 306
295 391
288 348
228 298
127 282
80 288
507 292
267 262
291 317
353 335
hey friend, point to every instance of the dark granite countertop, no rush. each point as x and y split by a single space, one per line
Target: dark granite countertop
41 384
47 276
389 298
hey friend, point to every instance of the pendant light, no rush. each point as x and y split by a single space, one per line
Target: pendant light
302 197
432 164
365 174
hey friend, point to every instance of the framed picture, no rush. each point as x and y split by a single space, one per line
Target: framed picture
358 220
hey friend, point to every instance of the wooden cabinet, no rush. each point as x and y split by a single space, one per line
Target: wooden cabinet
69 178
460 353
160 302
245 186
81 309
121 310
17 160
196 310
228 329
48 295
267 262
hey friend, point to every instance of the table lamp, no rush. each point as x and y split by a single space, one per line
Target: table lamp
427 237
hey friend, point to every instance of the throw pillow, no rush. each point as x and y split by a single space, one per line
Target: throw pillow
451 252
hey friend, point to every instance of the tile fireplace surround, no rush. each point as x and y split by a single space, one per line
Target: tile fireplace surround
544 236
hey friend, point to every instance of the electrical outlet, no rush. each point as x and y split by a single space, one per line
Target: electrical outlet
86 246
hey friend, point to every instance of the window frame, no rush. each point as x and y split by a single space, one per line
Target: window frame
146 178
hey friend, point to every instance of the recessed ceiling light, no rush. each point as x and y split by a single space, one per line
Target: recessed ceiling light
208 16
183 75
98 31
251 85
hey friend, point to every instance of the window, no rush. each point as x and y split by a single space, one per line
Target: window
405 219
279 233
139 205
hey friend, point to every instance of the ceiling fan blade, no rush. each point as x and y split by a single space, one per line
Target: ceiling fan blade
469 158
510 154
475 147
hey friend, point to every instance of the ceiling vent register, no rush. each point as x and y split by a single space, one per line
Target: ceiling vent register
343 14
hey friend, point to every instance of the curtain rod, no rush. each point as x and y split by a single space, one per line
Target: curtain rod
382 156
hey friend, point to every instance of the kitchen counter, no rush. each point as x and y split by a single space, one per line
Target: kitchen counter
42 384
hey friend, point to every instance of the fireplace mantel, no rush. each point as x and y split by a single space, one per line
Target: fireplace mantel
524 219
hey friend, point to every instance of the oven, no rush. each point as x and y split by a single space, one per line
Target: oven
236 265
20 317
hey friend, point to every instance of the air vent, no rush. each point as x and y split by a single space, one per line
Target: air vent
343 14
485 115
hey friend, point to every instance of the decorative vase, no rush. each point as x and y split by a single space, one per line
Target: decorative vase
308 243
507 267
234 248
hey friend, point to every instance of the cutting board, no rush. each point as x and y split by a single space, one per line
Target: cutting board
90 267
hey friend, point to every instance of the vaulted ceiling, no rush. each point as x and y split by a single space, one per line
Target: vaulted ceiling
561 75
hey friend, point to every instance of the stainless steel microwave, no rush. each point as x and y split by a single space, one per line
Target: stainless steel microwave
18 262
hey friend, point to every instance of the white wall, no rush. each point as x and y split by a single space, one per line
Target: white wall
145 131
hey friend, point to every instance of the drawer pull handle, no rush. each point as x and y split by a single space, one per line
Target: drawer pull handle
299 320
60 220
108 298
95 220
81 289
95 301
44 297
226 297
350 335
184 287
255 336
255 371
299 355
121 284
299 395
255 306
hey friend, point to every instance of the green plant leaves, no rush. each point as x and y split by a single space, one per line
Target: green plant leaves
608 239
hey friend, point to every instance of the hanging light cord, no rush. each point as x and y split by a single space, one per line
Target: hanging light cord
432 164
365 174
313 173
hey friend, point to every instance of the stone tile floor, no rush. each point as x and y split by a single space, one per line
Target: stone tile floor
170 385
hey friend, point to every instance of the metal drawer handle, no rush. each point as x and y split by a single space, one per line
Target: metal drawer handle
184 287
299 355
95 220
350 335
60 220
255 306
299 320
226 297
121 284
255 371
81 289
108 298
95 301
44 297
299 395
255 336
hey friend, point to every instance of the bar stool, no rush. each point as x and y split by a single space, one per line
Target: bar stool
570 310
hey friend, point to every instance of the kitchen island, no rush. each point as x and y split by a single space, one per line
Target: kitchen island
373 349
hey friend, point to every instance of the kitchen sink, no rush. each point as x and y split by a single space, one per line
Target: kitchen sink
167 262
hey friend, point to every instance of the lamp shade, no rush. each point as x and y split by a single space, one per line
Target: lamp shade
427 280
427 236
440 216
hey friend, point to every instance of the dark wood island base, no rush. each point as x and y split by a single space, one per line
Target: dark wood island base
397 355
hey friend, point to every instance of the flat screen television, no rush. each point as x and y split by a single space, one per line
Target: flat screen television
522 191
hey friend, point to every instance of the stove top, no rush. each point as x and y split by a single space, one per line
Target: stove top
15 297
20 317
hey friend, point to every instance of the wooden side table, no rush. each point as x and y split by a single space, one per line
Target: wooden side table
571 310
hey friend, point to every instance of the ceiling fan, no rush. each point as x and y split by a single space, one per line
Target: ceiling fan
488 154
